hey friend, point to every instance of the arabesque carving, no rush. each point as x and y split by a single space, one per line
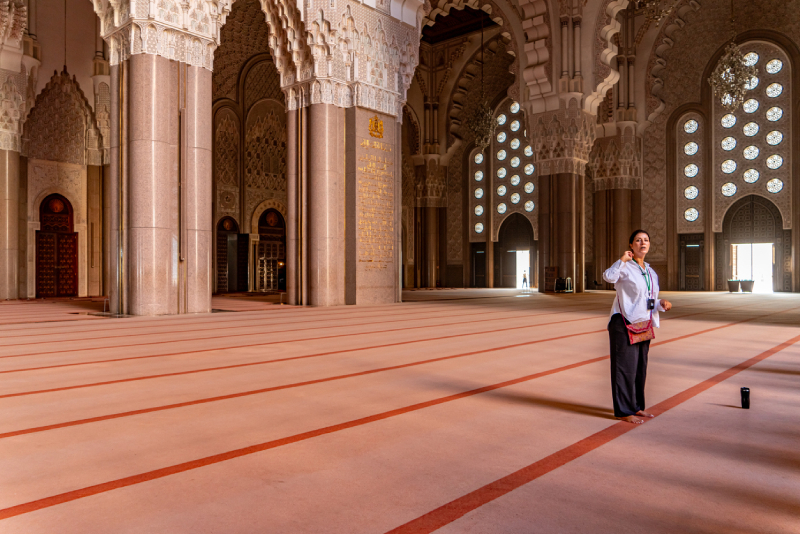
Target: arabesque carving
563 139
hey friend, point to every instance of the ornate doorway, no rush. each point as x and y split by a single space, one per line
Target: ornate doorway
226 266
753 220
56 249
515 253
270 257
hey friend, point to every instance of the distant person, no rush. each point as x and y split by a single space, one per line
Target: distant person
524 279
636 303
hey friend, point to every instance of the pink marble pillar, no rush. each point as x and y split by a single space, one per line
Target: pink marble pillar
198 191
293 273
9 224
116 191
326 209
152 284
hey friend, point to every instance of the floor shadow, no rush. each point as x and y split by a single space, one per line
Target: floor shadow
725 405
583 409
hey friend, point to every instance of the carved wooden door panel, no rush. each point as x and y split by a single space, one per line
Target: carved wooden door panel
46 283
67 253
56 265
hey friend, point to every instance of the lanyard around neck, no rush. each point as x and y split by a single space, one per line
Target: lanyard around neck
646 274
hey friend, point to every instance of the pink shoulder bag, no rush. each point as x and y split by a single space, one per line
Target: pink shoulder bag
638 332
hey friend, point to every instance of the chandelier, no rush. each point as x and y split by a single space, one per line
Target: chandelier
481 122
655 10
732 78
734 75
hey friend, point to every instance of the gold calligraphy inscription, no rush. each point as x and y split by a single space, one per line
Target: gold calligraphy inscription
376 214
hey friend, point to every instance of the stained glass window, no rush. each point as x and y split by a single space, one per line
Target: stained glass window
774 138
501 190
750 129
750 106
729 143
691 170
774 162
515 107
529 151
478 158
501 137
728 166
529 205
529 187
501 208
515 162
478 210
478 176
501 172
774 90
478 192
728 120
501 155
751 152
515 179
774 114
750 59
479 228
501 119
515 126
515 143
515 198
529 168
690 149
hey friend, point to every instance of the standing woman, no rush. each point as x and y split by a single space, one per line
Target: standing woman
637 301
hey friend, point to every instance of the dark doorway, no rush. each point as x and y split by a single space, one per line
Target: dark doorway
226 268
56 249
478 258
692 246
515 252
270 267
752 223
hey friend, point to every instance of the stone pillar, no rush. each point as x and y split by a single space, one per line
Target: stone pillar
9 224
197 191
326 206
431 237
159 190
293 224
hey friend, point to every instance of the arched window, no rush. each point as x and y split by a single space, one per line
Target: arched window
503 179
751 152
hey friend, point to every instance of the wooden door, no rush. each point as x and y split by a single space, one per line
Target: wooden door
56 265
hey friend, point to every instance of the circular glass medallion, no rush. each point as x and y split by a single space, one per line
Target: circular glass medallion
478 210
515 198
501 155
691 192
729 143
750 106
751 176
515 162
478 228
478 176
501 172
728 189
478 192
750 129
501 190
774 162
501 119
501 137
728 120
501 208
774 90
515 179
752 83
529 205
529 168
515 143
691 214
774 138
774 114
529 187
690 126
515 107
515 126
478 158
691 170
529 151
690 148
774 186
750 59
750 152
728 166
774 66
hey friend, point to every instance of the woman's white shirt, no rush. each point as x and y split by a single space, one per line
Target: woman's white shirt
632 293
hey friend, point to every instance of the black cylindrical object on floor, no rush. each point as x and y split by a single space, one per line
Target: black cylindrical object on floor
746 398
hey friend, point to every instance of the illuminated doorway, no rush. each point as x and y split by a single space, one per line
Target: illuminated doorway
753 261
523 269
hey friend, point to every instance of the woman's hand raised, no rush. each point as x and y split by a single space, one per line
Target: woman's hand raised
627 256
667 305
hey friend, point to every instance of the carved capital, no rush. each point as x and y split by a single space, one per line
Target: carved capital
616 161
563 139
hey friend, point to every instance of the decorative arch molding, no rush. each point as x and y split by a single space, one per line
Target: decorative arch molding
605 50
505 15
271 203
537 68
61 126
415 141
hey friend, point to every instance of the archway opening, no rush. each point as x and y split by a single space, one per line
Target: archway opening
514 253
227 255
754 246
56 249
270 257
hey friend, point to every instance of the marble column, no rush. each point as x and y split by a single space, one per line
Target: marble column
293 224
431 246
9 224
326 205
617 212
198 191
561 222
160 203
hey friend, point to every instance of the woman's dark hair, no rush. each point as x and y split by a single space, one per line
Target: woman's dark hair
637 232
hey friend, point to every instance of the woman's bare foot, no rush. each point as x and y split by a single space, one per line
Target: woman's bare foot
631 419
642 413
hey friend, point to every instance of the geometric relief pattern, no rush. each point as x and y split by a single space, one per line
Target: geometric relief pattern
455 209
56 129
263 81
266 153
12 106
227 151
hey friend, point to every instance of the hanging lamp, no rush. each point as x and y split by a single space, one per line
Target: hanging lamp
733 75
482 123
